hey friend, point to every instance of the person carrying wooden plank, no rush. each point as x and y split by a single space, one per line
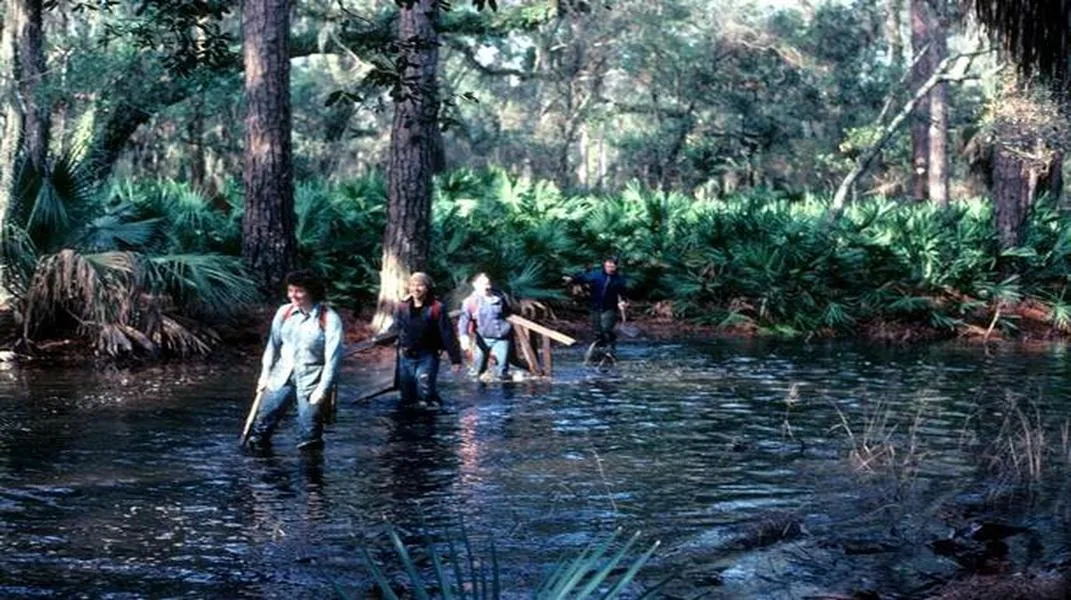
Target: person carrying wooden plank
483 327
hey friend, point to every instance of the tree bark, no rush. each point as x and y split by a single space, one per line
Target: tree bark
921 25
30 74
1018 180
414 137
268 244
937 159
25 111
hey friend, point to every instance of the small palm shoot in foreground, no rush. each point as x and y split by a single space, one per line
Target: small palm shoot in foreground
591 574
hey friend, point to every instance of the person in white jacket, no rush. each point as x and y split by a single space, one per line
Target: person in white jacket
300 362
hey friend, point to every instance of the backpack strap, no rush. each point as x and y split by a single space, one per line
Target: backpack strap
436 310
322 319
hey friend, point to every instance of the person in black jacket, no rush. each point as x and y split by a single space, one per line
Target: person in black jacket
424 331
608 300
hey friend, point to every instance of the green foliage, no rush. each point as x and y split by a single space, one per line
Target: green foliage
596 572
124 268
758 260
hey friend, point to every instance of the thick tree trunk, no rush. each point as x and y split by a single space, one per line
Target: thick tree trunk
10 136
414 142
1018 179
30 69
937 161
921 25
26 113
268 245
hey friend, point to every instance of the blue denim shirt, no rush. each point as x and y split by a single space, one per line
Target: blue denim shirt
299 346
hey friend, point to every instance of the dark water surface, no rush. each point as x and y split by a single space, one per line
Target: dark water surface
130 485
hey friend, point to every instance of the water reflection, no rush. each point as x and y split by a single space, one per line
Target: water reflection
128 485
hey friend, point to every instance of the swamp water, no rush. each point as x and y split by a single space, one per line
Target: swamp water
766 470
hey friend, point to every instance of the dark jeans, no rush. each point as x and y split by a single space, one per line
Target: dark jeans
488 347
603 323
275 404
417 375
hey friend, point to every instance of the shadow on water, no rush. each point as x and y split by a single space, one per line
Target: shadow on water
768 469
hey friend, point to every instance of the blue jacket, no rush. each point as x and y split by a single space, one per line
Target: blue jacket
606 290
489 314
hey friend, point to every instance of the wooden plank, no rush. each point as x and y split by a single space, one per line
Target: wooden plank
548 360
557 336
376 390
384 340
520 334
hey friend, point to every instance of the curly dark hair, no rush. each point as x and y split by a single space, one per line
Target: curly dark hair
309 281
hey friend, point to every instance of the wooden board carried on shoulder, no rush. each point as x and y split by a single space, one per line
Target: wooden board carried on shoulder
557 336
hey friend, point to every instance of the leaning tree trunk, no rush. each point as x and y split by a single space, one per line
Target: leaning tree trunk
1018 179
412 156
268 244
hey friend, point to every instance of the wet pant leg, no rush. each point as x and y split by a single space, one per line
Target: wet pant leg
604 322
417 379
310 421
272 408
480 356
499 348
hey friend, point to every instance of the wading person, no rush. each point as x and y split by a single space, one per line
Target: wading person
300 363
483 327
607 288
424 331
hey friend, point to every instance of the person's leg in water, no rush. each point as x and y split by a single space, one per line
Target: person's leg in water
407 380
500 349
480 355
427 375
607 333
310 422
272 408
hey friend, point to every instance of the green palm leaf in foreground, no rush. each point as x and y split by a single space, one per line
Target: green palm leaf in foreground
592 574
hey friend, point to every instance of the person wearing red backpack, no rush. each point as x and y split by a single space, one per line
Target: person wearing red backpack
483 315
424 331
300 363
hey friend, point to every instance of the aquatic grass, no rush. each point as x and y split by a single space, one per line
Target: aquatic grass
598 571
882 445
1019 452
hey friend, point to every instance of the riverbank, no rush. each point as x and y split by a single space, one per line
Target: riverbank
1026 323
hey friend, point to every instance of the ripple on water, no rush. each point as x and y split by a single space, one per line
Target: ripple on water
147 496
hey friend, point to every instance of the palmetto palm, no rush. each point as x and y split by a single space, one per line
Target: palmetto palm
115 266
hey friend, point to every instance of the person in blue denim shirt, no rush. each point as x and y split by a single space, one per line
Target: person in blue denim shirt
300 362
424 330
608 300
483 314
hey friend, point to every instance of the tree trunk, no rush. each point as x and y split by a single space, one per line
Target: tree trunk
937 161
894 22
414 138
30 72
268 245
25 112
921 25
195 130
1016 178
